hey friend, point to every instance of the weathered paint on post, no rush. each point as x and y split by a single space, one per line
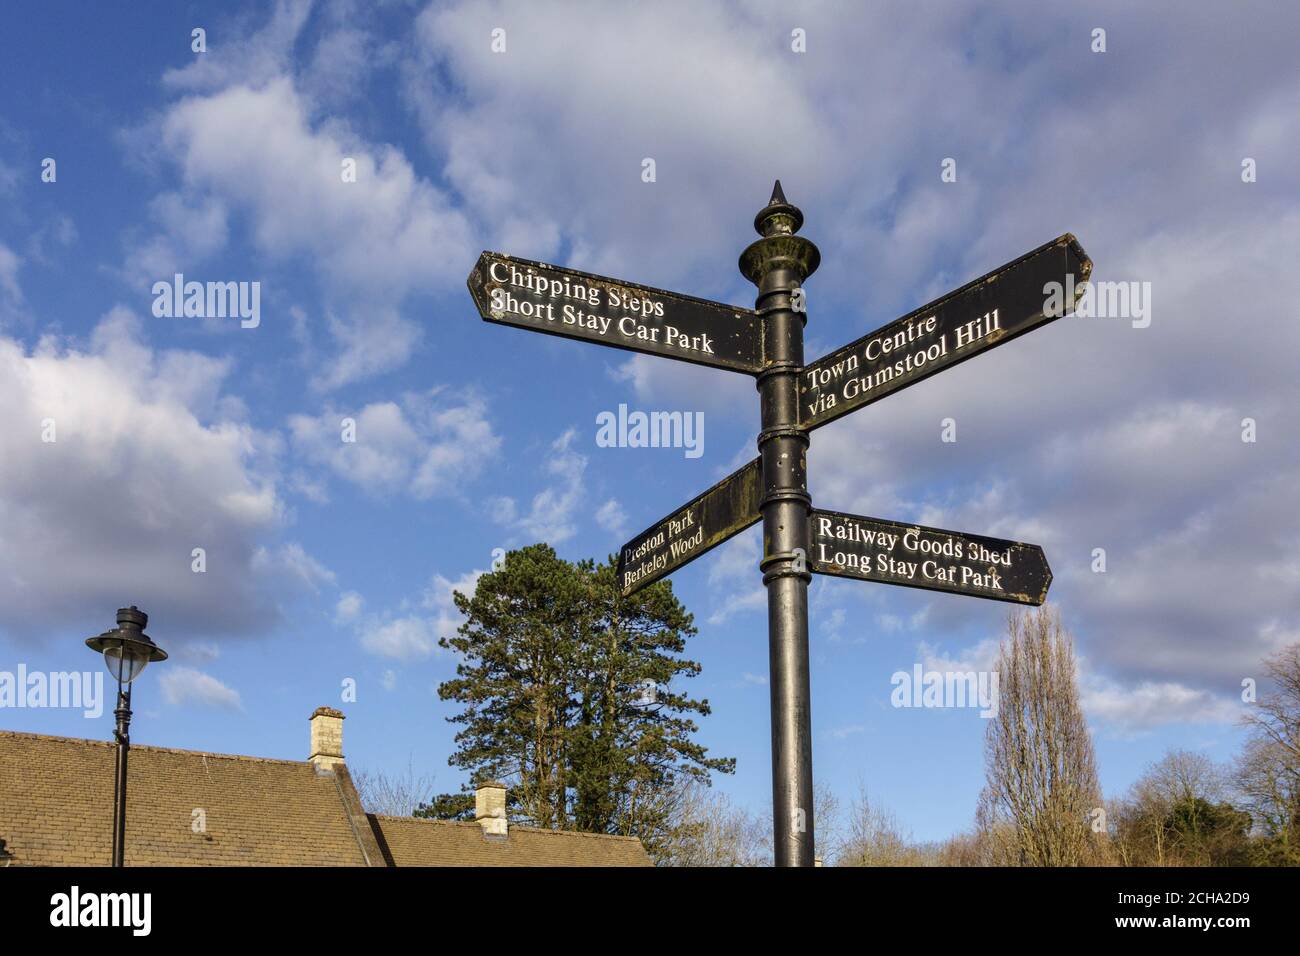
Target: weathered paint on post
778 264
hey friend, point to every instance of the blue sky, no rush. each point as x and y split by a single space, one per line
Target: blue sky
327 562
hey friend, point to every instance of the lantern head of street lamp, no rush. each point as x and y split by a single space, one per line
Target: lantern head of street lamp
127 649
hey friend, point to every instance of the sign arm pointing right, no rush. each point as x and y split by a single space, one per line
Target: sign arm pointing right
994 309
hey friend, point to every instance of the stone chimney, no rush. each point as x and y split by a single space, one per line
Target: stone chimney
490 809
326 738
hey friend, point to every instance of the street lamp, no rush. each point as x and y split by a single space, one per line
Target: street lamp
127 649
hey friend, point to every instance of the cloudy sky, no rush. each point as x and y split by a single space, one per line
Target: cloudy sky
328 561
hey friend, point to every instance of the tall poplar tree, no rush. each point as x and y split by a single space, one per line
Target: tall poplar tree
572 696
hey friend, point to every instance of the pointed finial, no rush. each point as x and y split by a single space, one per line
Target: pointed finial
778 217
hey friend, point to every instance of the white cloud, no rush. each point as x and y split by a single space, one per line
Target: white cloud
734 579
57 230
9 263
1150 704
241 54
413 630
737 560
411 637
186 686
739 602
293 562
551 515
1121 707
348 607
201 652
189 230
678 385
146 466
492 116
612 518
981 656
257 148
427 445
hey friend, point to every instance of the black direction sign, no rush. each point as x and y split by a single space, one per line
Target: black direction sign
891 552
547 298
1009 301
726 509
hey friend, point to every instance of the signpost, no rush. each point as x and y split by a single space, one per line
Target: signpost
767 342
914 556
725 510
990 311
546 298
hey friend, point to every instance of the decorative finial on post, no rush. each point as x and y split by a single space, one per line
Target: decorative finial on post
777 223
778 217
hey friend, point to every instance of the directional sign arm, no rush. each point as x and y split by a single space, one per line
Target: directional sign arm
871 549
996 308
625 315
725 510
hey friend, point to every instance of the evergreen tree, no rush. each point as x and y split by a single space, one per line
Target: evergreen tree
569 694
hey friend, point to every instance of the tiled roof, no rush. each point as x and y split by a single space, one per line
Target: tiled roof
56 808
408 841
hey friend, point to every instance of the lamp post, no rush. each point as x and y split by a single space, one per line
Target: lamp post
127 650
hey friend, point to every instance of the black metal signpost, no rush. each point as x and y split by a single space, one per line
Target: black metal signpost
767 342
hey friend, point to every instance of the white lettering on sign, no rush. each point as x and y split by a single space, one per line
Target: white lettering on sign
907 555
640 324
912 347
681 534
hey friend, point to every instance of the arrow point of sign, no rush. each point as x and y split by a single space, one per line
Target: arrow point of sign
1085 262
477 278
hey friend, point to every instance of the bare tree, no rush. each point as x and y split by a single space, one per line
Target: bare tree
964 849
707 829
1183 775
1041 789
395 796
827 820
1177 814
1268 772
874 837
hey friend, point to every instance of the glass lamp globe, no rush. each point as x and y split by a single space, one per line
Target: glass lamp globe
127 649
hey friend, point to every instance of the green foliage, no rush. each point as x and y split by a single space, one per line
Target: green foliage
570 694
1211 834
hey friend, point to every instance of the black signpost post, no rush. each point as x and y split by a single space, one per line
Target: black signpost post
767 342
778 263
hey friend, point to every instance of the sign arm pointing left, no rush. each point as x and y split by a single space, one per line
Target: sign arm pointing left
703 523
624 315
